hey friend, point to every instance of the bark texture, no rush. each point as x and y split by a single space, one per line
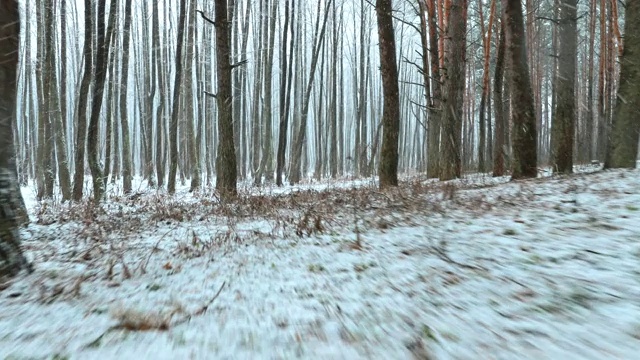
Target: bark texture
454 83
175 109
626 120
435 108
388 171
124 92
226 170
563 125
524 137
12 261
81 110
498 98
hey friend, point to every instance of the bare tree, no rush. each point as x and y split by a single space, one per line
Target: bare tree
626 121
159 91
499 148
81 110
124 92
173 126
266 163
44 163
484 99
563 126
333 102
524 162
388 171
318 40
102 55
454 83
286 70
58 110
589 123
12 260
226 169
189 55
435 107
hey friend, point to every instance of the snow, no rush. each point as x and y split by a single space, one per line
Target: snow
472 268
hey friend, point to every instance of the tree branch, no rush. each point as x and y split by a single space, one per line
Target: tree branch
206 18
233 66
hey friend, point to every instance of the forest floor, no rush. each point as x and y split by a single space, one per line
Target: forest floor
474 268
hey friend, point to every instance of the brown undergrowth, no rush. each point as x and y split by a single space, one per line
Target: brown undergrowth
299 213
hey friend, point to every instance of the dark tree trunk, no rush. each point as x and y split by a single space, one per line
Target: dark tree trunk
59 114
498 99
285 87
626 120
124 91
524 138
81 110
102 55
388 171
175 109
160 92
589 123
563 125
12 260
435 109
226 170
452 103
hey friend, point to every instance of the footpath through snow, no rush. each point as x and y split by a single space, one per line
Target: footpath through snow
479 268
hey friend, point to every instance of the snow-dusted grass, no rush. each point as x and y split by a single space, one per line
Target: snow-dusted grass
468 269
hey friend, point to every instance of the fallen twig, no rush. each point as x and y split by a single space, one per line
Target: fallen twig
202 309
158 325
443 255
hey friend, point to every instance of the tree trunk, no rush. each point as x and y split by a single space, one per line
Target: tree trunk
256 114
498 99
175 108
626 120
361 85
388 171
44 165
81 110
159 91
296 161
124 92
333 102
102 56
12 260
602 130
452 103
110 99
524 138
285 86
60 114
563 125
589 123
485 97
266 164
226 170
190 56
435 105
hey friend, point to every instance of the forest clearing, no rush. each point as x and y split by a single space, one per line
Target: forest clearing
475 267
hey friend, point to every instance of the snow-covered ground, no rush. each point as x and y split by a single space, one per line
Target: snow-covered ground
479 268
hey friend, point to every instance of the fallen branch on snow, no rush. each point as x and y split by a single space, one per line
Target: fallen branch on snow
147 322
